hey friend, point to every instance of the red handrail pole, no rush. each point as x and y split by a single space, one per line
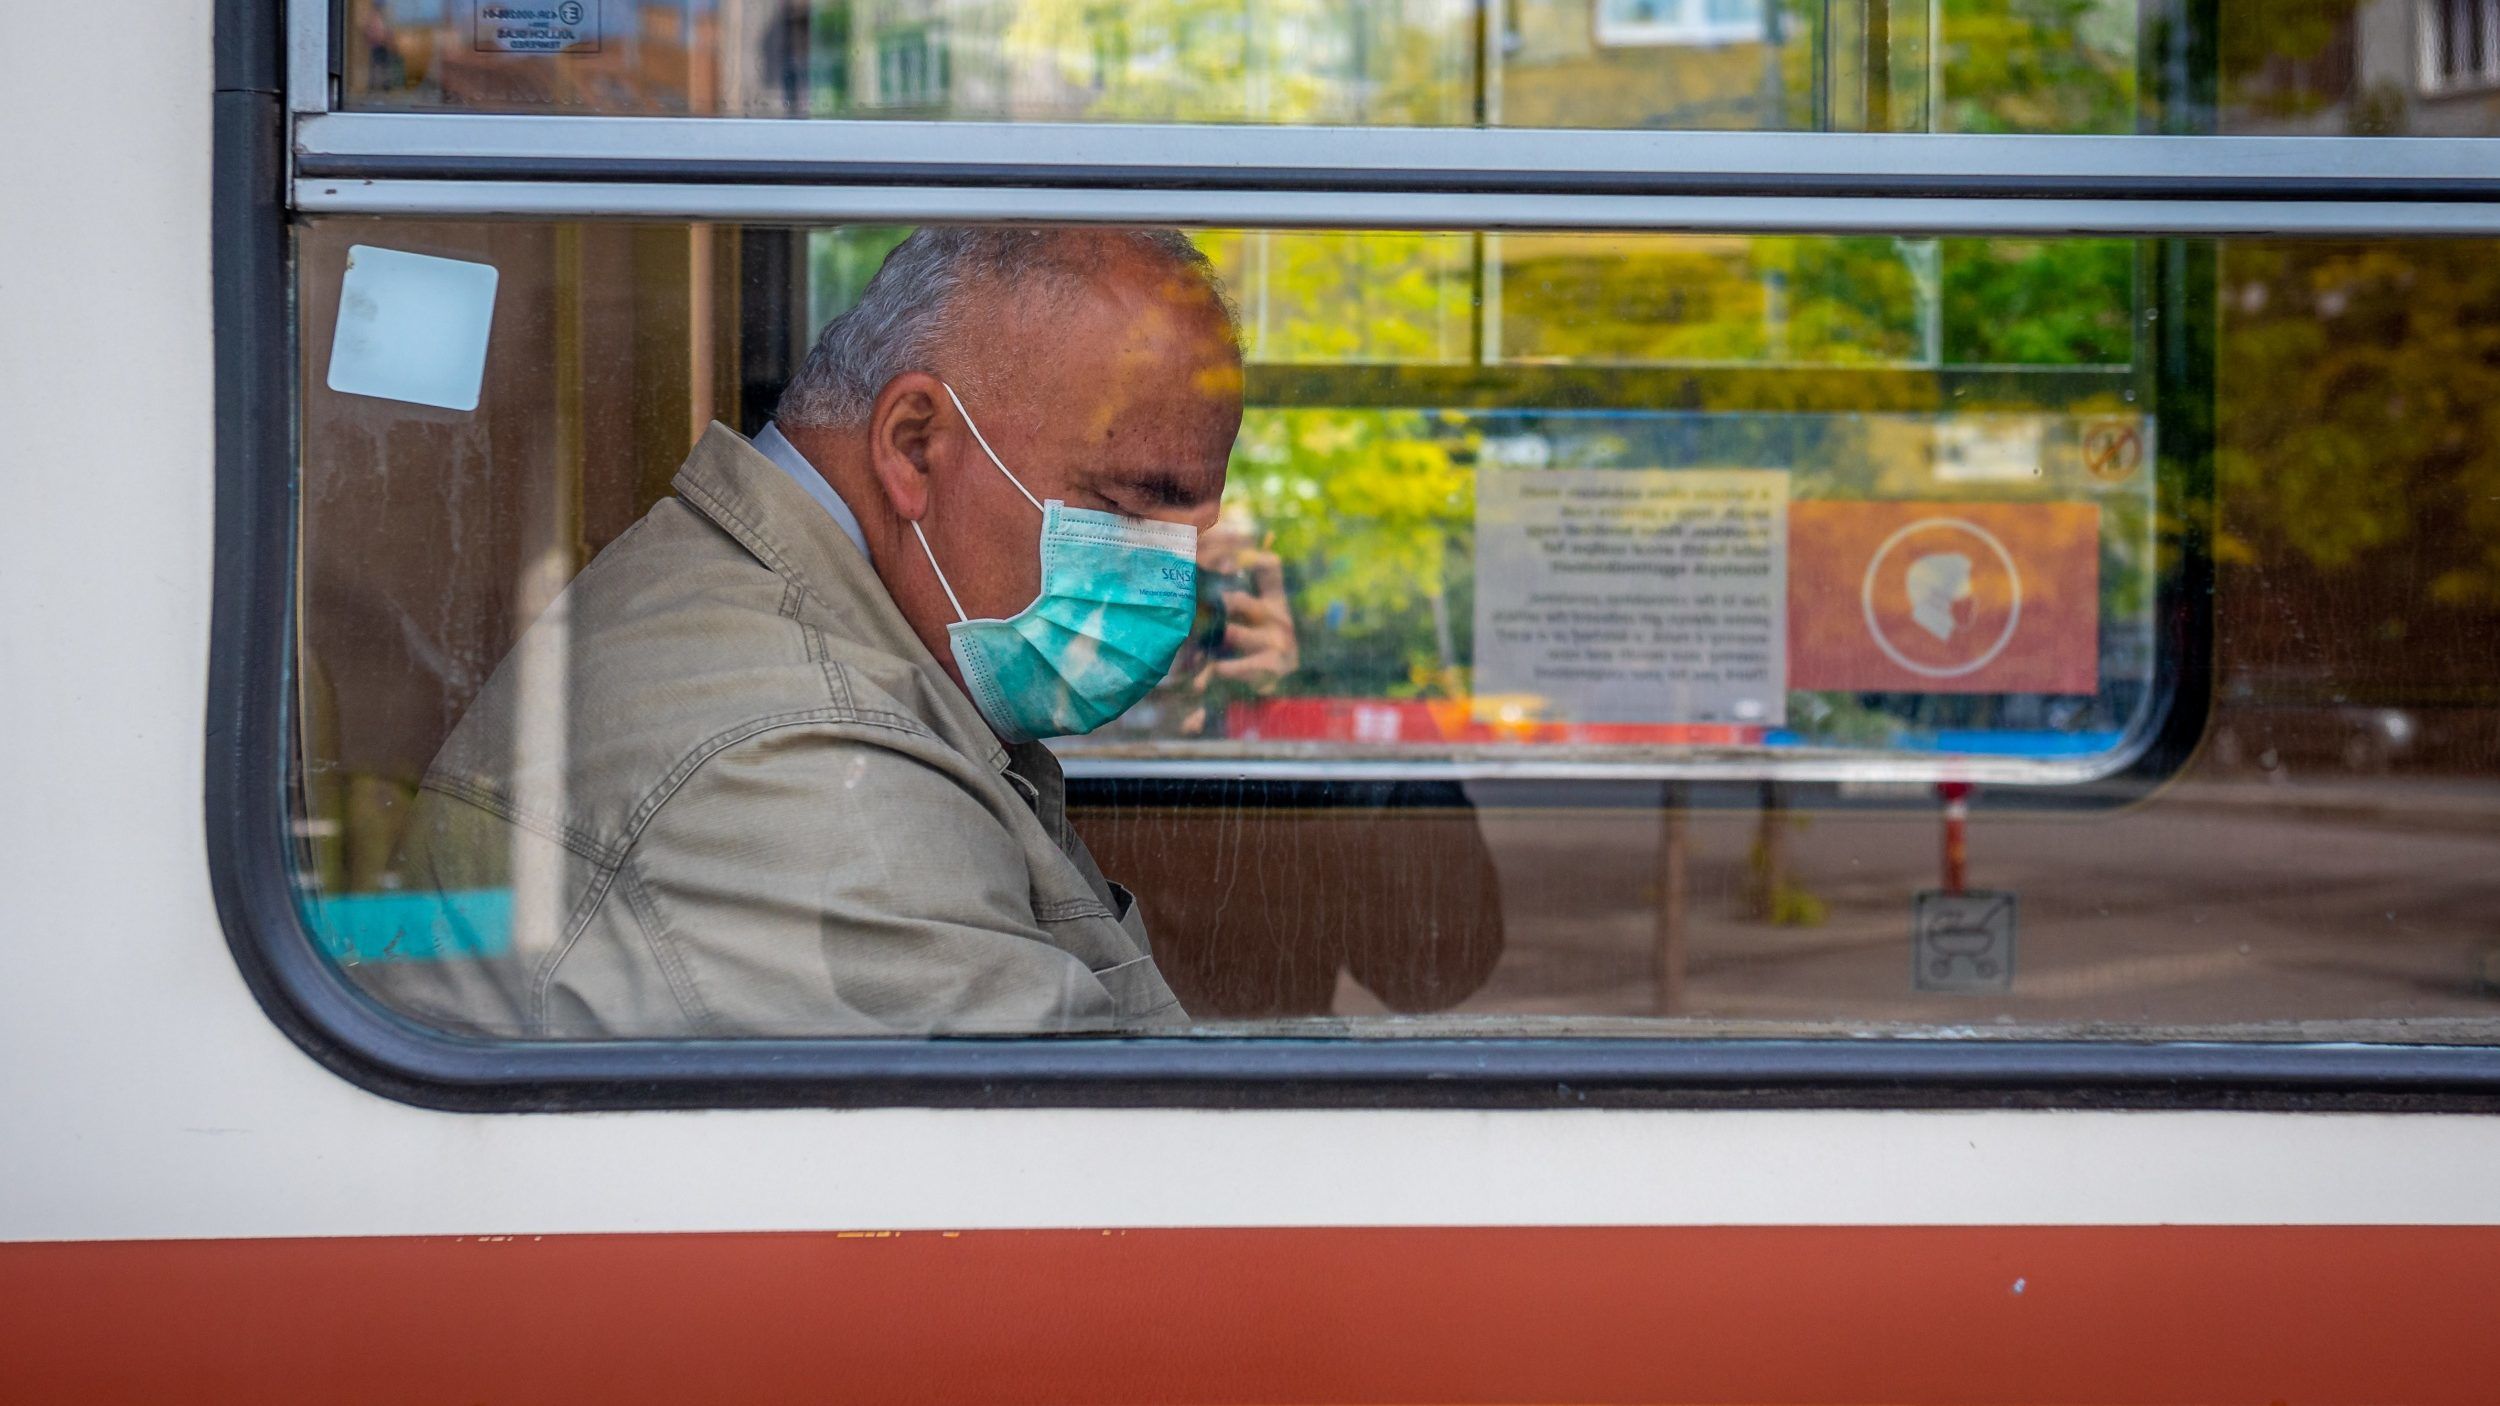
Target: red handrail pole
1956 796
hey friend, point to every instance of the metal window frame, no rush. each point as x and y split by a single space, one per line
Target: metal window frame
774 170
1269 209
271 51
309 70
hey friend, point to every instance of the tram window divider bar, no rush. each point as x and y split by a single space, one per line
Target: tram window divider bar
1979 185
799 171
1905 216
1456 161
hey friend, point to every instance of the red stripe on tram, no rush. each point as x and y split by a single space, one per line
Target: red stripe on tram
1902 1316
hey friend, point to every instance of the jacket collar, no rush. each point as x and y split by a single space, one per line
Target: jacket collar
729 481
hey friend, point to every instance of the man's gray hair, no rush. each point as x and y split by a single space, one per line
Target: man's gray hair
911 311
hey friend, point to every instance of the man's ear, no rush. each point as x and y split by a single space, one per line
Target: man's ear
903 429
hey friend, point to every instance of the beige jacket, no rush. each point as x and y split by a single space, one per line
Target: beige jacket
761 808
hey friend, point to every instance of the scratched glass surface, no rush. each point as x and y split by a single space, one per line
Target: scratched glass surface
2314 421
2322 67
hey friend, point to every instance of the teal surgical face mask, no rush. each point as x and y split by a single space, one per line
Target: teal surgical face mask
1118 597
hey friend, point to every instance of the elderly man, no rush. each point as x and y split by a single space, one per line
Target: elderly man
771 765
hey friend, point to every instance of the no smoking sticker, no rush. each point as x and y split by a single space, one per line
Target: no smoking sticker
2113 450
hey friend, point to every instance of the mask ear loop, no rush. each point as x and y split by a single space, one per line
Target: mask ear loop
940 575
977 438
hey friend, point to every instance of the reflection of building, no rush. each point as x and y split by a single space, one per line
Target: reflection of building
1641 63
2459 47
1152 60
2424 68
1626 23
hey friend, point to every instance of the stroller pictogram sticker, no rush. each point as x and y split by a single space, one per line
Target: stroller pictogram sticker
1962 941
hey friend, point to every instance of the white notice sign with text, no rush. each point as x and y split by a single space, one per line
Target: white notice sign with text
1633 595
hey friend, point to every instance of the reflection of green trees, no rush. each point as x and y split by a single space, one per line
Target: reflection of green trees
1279 61
839 264
2067 66
1996 66
1863 300
1683 300
1374 508
1344 299
2039 302
2360 417
2038 66
1375 513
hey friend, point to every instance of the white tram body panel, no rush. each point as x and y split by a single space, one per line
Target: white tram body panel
148 1097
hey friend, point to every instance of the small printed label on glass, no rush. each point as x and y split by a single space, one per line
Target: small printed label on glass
537 26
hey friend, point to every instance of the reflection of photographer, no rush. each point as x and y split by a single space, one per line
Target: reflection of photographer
1261 909
1243 645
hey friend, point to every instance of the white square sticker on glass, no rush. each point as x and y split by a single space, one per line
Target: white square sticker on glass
412 327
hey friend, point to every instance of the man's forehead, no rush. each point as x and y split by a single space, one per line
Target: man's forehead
1120 302
1138 363
1123 362
1171 446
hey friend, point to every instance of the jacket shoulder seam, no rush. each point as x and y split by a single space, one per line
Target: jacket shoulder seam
837 675
495 802
751 537
719 742
605 872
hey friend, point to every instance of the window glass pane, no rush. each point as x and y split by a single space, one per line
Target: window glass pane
1585 627
2419 67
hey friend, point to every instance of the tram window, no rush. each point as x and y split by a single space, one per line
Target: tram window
2400 67
1624 575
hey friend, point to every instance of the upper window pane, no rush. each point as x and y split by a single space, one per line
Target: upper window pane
2419 67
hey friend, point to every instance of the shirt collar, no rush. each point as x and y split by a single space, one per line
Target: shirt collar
776 446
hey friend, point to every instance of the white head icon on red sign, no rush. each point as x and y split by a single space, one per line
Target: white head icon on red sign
1944 593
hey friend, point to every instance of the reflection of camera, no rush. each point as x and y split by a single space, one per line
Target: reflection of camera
1213 586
